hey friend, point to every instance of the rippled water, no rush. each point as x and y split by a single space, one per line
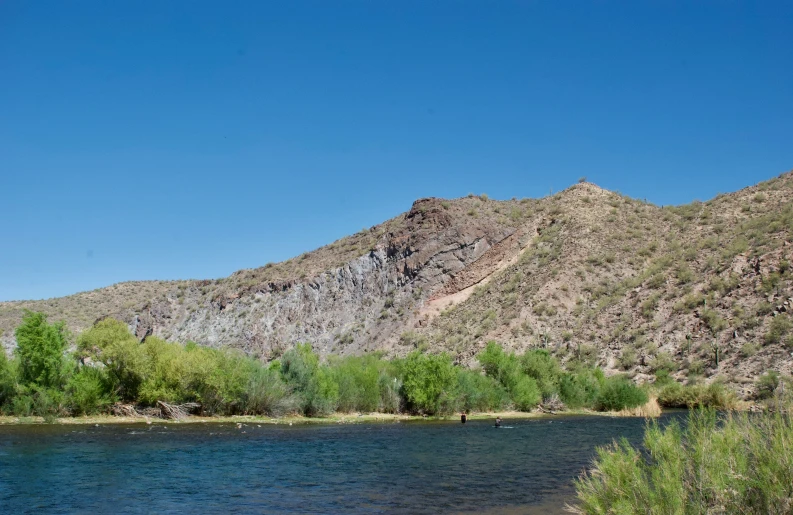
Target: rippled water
416 467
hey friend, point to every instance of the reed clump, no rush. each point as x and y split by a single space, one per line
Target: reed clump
716 463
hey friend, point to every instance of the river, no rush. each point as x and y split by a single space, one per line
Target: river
413 467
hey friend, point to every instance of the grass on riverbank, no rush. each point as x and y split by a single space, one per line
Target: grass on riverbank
728 463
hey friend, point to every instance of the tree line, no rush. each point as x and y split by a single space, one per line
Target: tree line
108 365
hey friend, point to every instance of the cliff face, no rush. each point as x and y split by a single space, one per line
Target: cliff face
702 290
360 306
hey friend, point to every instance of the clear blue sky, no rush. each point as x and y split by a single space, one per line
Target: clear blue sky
166 140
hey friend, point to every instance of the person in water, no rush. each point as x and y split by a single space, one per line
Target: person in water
463 417
498 421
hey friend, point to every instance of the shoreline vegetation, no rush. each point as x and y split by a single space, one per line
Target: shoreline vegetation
715 463
108 371
334 418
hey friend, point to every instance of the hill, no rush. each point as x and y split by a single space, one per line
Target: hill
702 290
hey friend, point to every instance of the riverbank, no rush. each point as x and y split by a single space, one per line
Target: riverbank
336 418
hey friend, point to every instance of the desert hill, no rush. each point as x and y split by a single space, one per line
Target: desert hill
702 290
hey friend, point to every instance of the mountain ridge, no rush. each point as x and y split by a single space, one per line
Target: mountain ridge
587 273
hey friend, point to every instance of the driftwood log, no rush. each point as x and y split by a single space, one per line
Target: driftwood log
161 410
124 410
177 411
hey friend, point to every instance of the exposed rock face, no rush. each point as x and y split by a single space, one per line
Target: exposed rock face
360 306
705 289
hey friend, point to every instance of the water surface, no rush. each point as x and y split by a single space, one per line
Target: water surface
414 467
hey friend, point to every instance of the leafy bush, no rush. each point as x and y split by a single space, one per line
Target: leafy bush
479 392
89 392
8 381
580 389
738 465
266 394
618 394
543 368
314 384
429 383
526 394
715 395
767 384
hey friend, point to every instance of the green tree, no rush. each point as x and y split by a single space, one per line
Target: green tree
8 379
428 382
41 351
314 383
109 342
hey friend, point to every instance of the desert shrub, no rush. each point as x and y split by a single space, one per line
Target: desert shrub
628 358
713 320
618 393
779 327
662 361
767 384
739 464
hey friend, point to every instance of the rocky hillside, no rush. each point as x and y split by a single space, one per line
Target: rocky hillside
703 290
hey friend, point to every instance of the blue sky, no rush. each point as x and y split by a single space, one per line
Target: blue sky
166 140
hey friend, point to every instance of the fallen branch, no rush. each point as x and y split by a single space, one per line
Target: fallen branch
177 411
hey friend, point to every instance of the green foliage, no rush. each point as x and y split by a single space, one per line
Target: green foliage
779 327
628 358
580 389
428 383
740 464
662 361
715 395
41 351
89 392
767 384
109 342
314 384
526 394
359 383
8 381
266 393
618 393
539 365
479 392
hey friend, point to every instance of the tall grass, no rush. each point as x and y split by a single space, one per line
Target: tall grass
736 463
